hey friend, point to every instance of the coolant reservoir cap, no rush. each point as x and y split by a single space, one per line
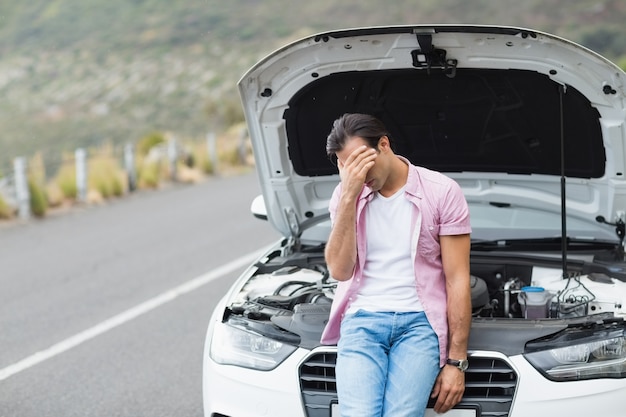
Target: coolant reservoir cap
533 289
534 296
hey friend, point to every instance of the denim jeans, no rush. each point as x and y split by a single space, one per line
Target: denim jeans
387 364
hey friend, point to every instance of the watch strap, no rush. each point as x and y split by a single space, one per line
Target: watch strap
461 364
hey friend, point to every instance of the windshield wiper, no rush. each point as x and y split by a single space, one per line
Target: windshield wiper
543 244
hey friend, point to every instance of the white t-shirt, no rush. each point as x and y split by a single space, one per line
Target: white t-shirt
388 276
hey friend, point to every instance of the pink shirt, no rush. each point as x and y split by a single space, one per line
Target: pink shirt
439 209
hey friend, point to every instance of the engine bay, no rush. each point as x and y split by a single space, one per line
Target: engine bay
288 298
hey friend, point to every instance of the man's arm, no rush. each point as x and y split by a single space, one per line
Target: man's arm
340 252
450 383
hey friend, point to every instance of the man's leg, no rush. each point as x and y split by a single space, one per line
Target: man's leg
361 369
413 366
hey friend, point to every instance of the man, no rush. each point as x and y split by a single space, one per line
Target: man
399 245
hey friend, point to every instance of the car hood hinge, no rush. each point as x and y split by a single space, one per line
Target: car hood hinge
293 243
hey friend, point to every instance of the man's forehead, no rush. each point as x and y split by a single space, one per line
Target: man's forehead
350 145
353 142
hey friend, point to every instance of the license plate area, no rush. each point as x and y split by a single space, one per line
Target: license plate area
455 412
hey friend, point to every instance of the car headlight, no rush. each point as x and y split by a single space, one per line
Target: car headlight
231 345
579 356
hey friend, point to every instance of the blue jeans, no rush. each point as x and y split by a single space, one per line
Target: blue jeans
387 364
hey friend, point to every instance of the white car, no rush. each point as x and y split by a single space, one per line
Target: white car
531 126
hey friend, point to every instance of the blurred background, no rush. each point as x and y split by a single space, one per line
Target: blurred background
103 75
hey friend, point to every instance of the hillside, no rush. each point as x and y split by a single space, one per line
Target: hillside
77 73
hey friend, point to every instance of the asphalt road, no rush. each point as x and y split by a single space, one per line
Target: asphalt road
100 294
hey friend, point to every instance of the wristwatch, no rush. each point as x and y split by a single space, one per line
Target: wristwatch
462 364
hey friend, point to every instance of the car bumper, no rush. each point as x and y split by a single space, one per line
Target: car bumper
231 391
536 395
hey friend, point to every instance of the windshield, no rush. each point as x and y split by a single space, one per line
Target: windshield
493 222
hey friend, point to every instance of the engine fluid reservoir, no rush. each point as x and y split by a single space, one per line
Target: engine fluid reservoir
534 302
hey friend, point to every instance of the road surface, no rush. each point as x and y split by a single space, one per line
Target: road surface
103 310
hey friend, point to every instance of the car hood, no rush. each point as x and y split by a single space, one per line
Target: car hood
511 114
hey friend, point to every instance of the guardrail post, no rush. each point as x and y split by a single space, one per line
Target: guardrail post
211 147
172 155
129 166
80 157
22 194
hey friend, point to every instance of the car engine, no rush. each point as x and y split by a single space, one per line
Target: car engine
289 296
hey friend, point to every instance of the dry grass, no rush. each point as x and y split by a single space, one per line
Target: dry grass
65 180
106 177
36 186
6 211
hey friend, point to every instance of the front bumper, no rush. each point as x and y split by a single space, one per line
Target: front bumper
303 386
231 391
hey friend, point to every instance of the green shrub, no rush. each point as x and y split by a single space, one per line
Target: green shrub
148 142
207 166
117 185
6 212
66 181
230 156
201 158
106 176
149 175
38 199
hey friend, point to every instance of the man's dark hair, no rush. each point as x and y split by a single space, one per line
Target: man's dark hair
354 124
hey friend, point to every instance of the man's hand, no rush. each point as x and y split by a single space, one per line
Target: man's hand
448 389
353 171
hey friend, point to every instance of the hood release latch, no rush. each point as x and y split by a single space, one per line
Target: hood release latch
430 57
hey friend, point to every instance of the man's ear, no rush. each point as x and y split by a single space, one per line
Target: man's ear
384 144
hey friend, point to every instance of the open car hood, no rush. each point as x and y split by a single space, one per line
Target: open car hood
495 108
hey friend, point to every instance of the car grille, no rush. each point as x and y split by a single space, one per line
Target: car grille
489 385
